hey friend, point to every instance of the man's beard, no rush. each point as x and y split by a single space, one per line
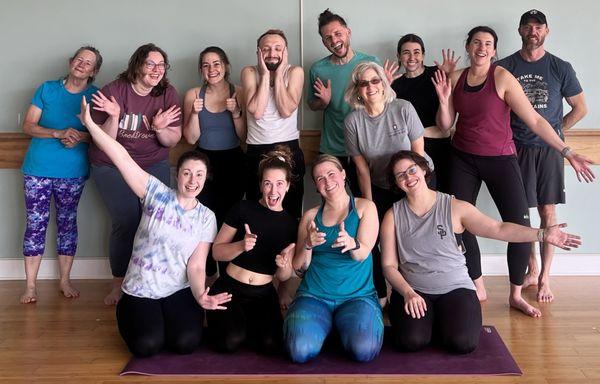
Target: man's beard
532 44
273 66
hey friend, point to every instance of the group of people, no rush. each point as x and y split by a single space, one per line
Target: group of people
386 135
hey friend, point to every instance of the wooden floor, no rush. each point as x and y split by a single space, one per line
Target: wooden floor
76 341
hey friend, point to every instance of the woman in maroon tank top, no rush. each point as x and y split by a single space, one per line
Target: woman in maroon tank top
483 96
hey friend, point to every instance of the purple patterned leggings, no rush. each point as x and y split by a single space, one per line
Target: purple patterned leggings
38 192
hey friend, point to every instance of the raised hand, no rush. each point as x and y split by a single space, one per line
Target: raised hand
314 237
442 85
84 115
284 258
581 165
323 91
214 302
391 70
449 63
344 240
102 103
163 119
414 305
198 104
262 66
232 106
553 235
280 71
249 239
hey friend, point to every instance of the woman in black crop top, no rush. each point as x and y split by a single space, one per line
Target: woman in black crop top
257 239
415 85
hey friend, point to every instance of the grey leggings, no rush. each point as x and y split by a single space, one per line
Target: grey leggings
124 209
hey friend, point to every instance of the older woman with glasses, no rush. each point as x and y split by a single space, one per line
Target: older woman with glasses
379 126
140 109
56 164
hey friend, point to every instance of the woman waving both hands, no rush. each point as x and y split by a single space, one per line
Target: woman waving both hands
483 149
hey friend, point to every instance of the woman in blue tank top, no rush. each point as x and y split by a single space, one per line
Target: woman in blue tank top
334 248
432 291
215 123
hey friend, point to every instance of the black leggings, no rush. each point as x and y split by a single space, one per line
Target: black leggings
383 199
293 199
252 315
502 176
440 151
223 188
149 325
453 320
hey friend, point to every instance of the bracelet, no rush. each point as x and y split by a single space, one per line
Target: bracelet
357 245
238 116
566 151
307 247
540 235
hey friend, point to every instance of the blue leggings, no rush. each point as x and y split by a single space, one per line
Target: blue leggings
359 322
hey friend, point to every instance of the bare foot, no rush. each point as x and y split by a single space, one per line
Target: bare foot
480 287
68 290
544 294
29 297
523 306
114 296
530 279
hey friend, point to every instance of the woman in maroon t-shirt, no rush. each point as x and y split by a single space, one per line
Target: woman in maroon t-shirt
483 150
140 109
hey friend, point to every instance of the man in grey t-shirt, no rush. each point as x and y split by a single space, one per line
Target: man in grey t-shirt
546 80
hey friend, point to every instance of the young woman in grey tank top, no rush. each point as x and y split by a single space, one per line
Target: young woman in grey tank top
424 263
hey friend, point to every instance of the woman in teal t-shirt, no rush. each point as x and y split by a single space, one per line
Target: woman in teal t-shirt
56 165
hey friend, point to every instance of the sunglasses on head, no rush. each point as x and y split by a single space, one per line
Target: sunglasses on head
365 83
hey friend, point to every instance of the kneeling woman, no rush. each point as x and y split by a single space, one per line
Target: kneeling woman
433 294
257 239
164 282
335 241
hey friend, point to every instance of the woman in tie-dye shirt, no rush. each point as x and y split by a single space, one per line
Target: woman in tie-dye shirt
165 280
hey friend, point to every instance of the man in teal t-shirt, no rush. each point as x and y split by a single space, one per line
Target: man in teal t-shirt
329 77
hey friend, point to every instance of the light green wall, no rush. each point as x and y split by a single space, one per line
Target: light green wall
37 37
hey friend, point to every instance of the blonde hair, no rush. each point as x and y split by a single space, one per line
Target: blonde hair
351 95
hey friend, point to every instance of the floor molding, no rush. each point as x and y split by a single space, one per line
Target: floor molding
564 264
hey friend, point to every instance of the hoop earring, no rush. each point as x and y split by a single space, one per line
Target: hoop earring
358 98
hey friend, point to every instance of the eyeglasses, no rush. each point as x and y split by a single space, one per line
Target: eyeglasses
150 65
410 171
365 83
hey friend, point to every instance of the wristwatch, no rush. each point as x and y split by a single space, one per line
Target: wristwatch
566 151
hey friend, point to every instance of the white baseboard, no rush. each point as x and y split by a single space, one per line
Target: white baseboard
88 268
564 264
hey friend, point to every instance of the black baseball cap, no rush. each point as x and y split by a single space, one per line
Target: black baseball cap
533 14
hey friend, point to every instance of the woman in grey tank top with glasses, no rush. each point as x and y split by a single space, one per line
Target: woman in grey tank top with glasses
433 295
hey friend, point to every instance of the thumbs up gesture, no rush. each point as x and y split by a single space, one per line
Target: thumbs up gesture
198 104
314 237
284 258
249 239
232 106
344 240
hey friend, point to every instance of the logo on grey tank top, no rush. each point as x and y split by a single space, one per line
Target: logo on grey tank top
441 231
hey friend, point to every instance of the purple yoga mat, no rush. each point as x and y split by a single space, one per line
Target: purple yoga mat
490 358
